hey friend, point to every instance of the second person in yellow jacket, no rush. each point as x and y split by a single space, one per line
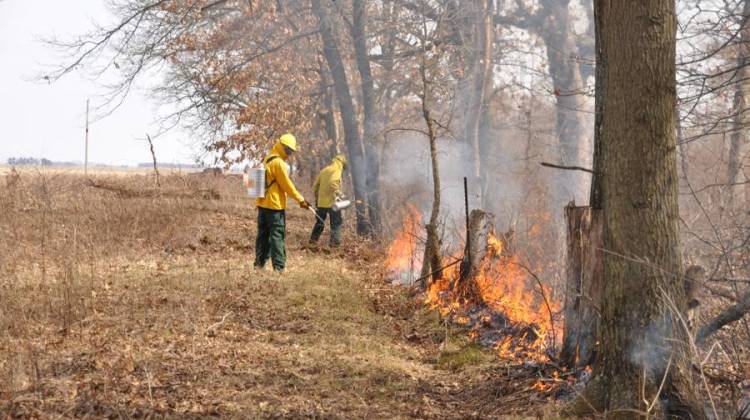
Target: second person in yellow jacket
327 188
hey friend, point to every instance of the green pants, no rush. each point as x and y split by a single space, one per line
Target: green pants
336 222
270 240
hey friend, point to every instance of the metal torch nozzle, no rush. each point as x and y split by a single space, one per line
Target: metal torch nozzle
316 214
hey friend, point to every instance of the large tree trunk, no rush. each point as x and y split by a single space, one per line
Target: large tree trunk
635 186
328 115
372 119
348 114
584 284
565 71
738 151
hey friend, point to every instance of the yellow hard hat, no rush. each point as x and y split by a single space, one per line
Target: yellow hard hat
341 158
289 141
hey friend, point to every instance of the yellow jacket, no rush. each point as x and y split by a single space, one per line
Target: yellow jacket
328 184
278 184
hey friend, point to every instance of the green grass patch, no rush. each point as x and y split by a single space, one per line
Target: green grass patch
470 354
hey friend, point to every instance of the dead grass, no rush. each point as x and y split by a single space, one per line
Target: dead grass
145 304
123 300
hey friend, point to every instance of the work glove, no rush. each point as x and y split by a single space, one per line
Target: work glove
304 204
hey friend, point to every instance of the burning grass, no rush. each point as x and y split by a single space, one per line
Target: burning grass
514 314
403 259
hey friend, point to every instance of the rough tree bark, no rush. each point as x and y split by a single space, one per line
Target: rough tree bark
738 151
371 117
480 227
348 113
328 114
635 186
584 284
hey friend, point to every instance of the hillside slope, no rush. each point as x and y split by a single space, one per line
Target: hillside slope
124 301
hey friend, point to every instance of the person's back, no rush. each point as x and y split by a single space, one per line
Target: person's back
326 189
329 182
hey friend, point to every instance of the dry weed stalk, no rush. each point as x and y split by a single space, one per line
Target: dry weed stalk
60 238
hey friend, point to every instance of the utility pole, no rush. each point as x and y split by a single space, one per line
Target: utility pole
86 156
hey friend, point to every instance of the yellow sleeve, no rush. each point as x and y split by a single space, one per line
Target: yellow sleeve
278 170
316 186
336 183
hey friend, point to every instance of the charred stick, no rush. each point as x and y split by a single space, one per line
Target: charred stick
468 231
438 270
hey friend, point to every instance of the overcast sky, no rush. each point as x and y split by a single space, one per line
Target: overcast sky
47 120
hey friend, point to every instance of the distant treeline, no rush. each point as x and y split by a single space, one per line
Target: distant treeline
32 161
171 165
21 161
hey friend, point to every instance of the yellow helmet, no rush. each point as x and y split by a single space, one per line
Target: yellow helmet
289 141
341 158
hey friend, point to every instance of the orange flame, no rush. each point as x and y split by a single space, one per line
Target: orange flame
403 258
504 286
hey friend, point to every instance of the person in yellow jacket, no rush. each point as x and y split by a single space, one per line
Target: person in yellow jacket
326 189
272 207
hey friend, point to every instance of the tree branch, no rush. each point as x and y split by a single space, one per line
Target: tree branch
731 314
567 168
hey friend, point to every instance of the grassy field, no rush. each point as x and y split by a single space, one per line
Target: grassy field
120 299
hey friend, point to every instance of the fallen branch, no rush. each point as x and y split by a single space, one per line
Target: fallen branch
419 280
726 294
733 313
567 168
544 296
212 327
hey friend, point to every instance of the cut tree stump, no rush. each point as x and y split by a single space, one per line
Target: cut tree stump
584 285
477 250
481 225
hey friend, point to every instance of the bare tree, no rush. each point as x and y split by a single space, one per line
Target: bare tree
479 83
429 95
739 149
373 122
566 57
348 112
